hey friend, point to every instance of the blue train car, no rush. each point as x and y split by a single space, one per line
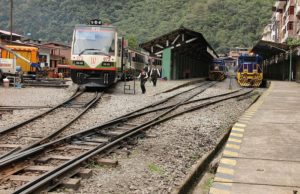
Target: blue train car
250 70
217 70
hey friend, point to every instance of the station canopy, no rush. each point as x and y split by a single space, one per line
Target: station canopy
268 49
182 40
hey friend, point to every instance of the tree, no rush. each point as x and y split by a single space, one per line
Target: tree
132 41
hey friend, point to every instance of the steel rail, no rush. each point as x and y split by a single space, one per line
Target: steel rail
71 164
124 119
5 130
99 127
162 101
91 103
109 124
23 107
185 103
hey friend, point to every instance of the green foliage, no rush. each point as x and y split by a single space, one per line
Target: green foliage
132 41
224 23
292 42
208 184
94 165
156 169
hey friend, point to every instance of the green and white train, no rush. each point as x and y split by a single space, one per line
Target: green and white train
97 54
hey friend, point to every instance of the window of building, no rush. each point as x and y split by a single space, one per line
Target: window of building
291 10
290 26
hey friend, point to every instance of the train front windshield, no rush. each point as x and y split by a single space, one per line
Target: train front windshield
216 66
250 59
94 41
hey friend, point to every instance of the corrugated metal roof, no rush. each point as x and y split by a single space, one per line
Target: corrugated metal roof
8 33
25 48
180 37
268 49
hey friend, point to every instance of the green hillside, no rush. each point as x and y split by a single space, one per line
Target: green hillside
224 23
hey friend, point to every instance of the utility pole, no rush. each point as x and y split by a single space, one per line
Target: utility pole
290 71
11 20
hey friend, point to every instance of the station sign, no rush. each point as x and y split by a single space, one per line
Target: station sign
7 65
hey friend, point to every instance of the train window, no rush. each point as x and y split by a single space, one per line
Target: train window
250 59
112 48
245 66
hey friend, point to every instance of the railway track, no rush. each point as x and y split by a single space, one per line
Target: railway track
40 128
19 144
43 167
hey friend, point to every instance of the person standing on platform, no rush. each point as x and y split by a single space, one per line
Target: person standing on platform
154 74
143 76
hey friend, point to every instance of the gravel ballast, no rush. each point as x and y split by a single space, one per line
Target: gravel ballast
156 163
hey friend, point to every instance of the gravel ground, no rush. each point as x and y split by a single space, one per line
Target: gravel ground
34 96
115 103
30 97
161 160
159 163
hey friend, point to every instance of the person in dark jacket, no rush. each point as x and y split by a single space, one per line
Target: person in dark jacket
143 77
154 74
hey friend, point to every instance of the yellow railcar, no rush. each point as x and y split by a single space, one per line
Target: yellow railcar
28 52
250 71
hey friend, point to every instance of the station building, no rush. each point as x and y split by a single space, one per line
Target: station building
55 56
281 61
185 54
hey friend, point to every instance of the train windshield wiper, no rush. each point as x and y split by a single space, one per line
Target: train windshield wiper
98 50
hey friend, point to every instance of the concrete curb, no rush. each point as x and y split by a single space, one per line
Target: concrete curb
201 166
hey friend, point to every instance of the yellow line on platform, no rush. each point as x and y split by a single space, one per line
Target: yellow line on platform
219 179
227 161
239 125
238 129
230 153
225 170
233 146
236 135
234 140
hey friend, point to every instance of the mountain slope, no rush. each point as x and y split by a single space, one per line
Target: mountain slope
224 23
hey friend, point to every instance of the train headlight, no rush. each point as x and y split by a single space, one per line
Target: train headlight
217 68
107 64
78 63
96 22
244 77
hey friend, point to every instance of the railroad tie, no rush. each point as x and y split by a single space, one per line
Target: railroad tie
107 162
71 183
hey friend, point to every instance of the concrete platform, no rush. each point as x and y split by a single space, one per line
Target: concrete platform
262 154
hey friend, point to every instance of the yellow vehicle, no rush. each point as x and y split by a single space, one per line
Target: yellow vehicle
250 71
22 56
